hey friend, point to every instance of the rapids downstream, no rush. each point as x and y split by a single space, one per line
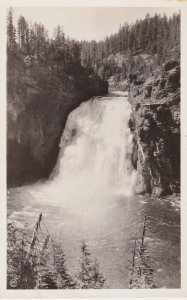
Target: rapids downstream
89 197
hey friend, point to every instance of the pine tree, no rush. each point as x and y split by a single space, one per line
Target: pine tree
98 278
20 272
11 32
143 275
142 272
36 265
23 35
64 279
89 276
47 278
58 36
154 35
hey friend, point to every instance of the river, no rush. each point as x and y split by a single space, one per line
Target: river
89 197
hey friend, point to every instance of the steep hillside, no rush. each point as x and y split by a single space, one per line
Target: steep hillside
141 47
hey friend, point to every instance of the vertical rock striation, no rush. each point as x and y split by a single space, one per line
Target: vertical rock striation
155 123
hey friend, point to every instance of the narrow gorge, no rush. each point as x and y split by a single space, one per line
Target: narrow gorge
34 132
93 155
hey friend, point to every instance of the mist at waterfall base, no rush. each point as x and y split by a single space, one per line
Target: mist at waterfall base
94 163
89 197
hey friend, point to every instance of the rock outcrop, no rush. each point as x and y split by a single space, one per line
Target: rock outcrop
155 123
36 117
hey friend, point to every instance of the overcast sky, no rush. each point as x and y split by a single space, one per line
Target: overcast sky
87 22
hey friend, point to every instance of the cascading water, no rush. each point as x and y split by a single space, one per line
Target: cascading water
97 144
94 162
87 198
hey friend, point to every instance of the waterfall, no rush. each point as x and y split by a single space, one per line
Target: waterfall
95 153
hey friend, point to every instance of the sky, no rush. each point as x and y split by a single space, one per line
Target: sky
87 23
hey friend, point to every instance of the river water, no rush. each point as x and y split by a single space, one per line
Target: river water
89 197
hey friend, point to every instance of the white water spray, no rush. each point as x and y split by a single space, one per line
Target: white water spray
95 157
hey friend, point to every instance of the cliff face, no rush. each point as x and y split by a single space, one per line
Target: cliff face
155 123
36 117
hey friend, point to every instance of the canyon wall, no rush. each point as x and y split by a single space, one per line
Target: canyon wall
36 117
155 123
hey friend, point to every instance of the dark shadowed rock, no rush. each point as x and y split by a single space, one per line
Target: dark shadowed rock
147 91
171 65
173 80
155 124
162 83
36 116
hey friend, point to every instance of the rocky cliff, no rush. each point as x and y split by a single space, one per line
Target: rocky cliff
36 116
155 123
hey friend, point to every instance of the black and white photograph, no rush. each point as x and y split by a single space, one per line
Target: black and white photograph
93 147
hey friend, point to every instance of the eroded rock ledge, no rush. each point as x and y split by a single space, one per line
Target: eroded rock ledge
155 123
